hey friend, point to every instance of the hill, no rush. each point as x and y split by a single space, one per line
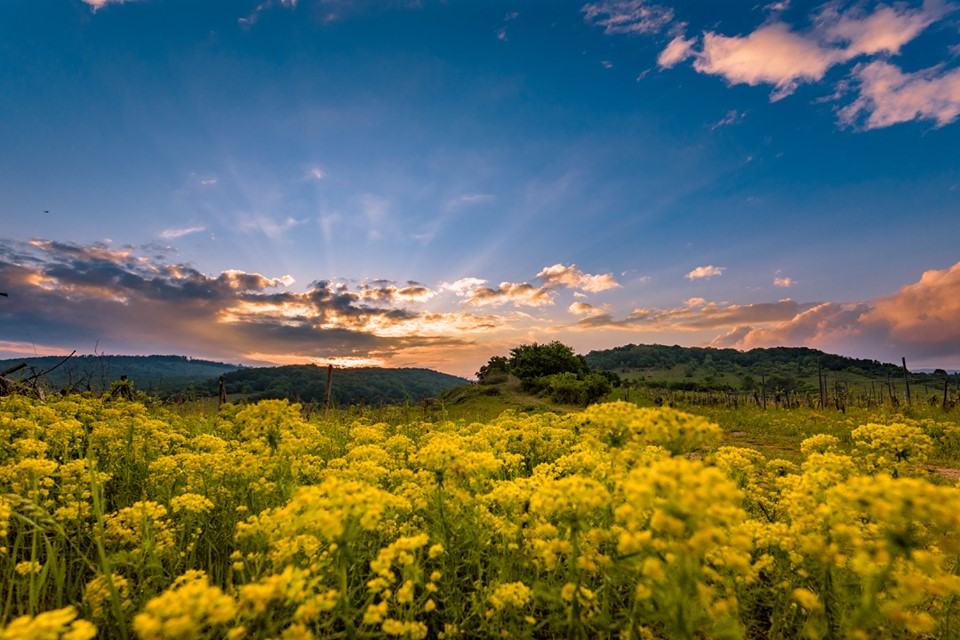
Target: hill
308 383
705 368
153 374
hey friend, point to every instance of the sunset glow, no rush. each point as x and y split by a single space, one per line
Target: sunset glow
430 183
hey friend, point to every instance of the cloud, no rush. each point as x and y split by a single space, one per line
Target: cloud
388 292
775 54
502 31
463 286
171 234
316 173
697 315
560 275
921 320
732 117
254 16
96 5
268 226
885 30
825 326
678 50
627 16
72 295
586 309
772 54
708 271
925 313
783 56
782 281
518 294
777 7
468 199
889 96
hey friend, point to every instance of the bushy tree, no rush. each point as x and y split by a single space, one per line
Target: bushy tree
496 367
531 361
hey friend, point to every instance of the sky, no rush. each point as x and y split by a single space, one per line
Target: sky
430 183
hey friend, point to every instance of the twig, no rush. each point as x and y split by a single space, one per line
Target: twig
43 373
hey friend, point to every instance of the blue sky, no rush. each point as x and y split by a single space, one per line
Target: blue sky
430 183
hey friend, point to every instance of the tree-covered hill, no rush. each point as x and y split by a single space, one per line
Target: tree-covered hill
705 368
369 385
657 356
153 374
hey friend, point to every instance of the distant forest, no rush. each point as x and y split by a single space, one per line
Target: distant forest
308 383
804 360
705 368
159 375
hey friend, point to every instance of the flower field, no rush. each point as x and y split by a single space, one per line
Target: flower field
123 521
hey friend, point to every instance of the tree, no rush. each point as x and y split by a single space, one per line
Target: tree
496 366
531 361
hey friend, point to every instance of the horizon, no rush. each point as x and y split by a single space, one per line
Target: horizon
324 364
419 183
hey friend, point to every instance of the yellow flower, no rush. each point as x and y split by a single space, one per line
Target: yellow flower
60 624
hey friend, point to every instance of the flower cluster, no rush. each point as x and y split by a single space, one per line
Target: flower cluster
617 521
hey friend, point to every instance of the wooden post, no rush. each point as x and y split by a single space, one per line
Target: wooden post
906 380
946 390
823 388
763 390
326 399
222 399
13 369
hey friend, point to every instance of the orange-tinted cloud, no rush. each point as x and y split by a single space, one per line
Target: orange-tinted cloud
520 294
921 320
889 96
924 313
697 315
572 277
73 296
708 271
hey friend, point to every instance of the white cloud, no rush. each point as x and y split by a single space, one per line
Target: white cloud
732 117
777 7
170 234
889 96
100 4
708 271
783 281
268 226
251 19
463 286
468 199
678 50
627 16
316 173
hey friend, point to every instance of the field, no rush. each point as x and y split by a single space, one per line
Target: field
120 520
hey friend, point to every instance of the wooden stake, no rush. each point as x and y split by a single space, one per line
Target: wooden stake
326 399
222 400
906 380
